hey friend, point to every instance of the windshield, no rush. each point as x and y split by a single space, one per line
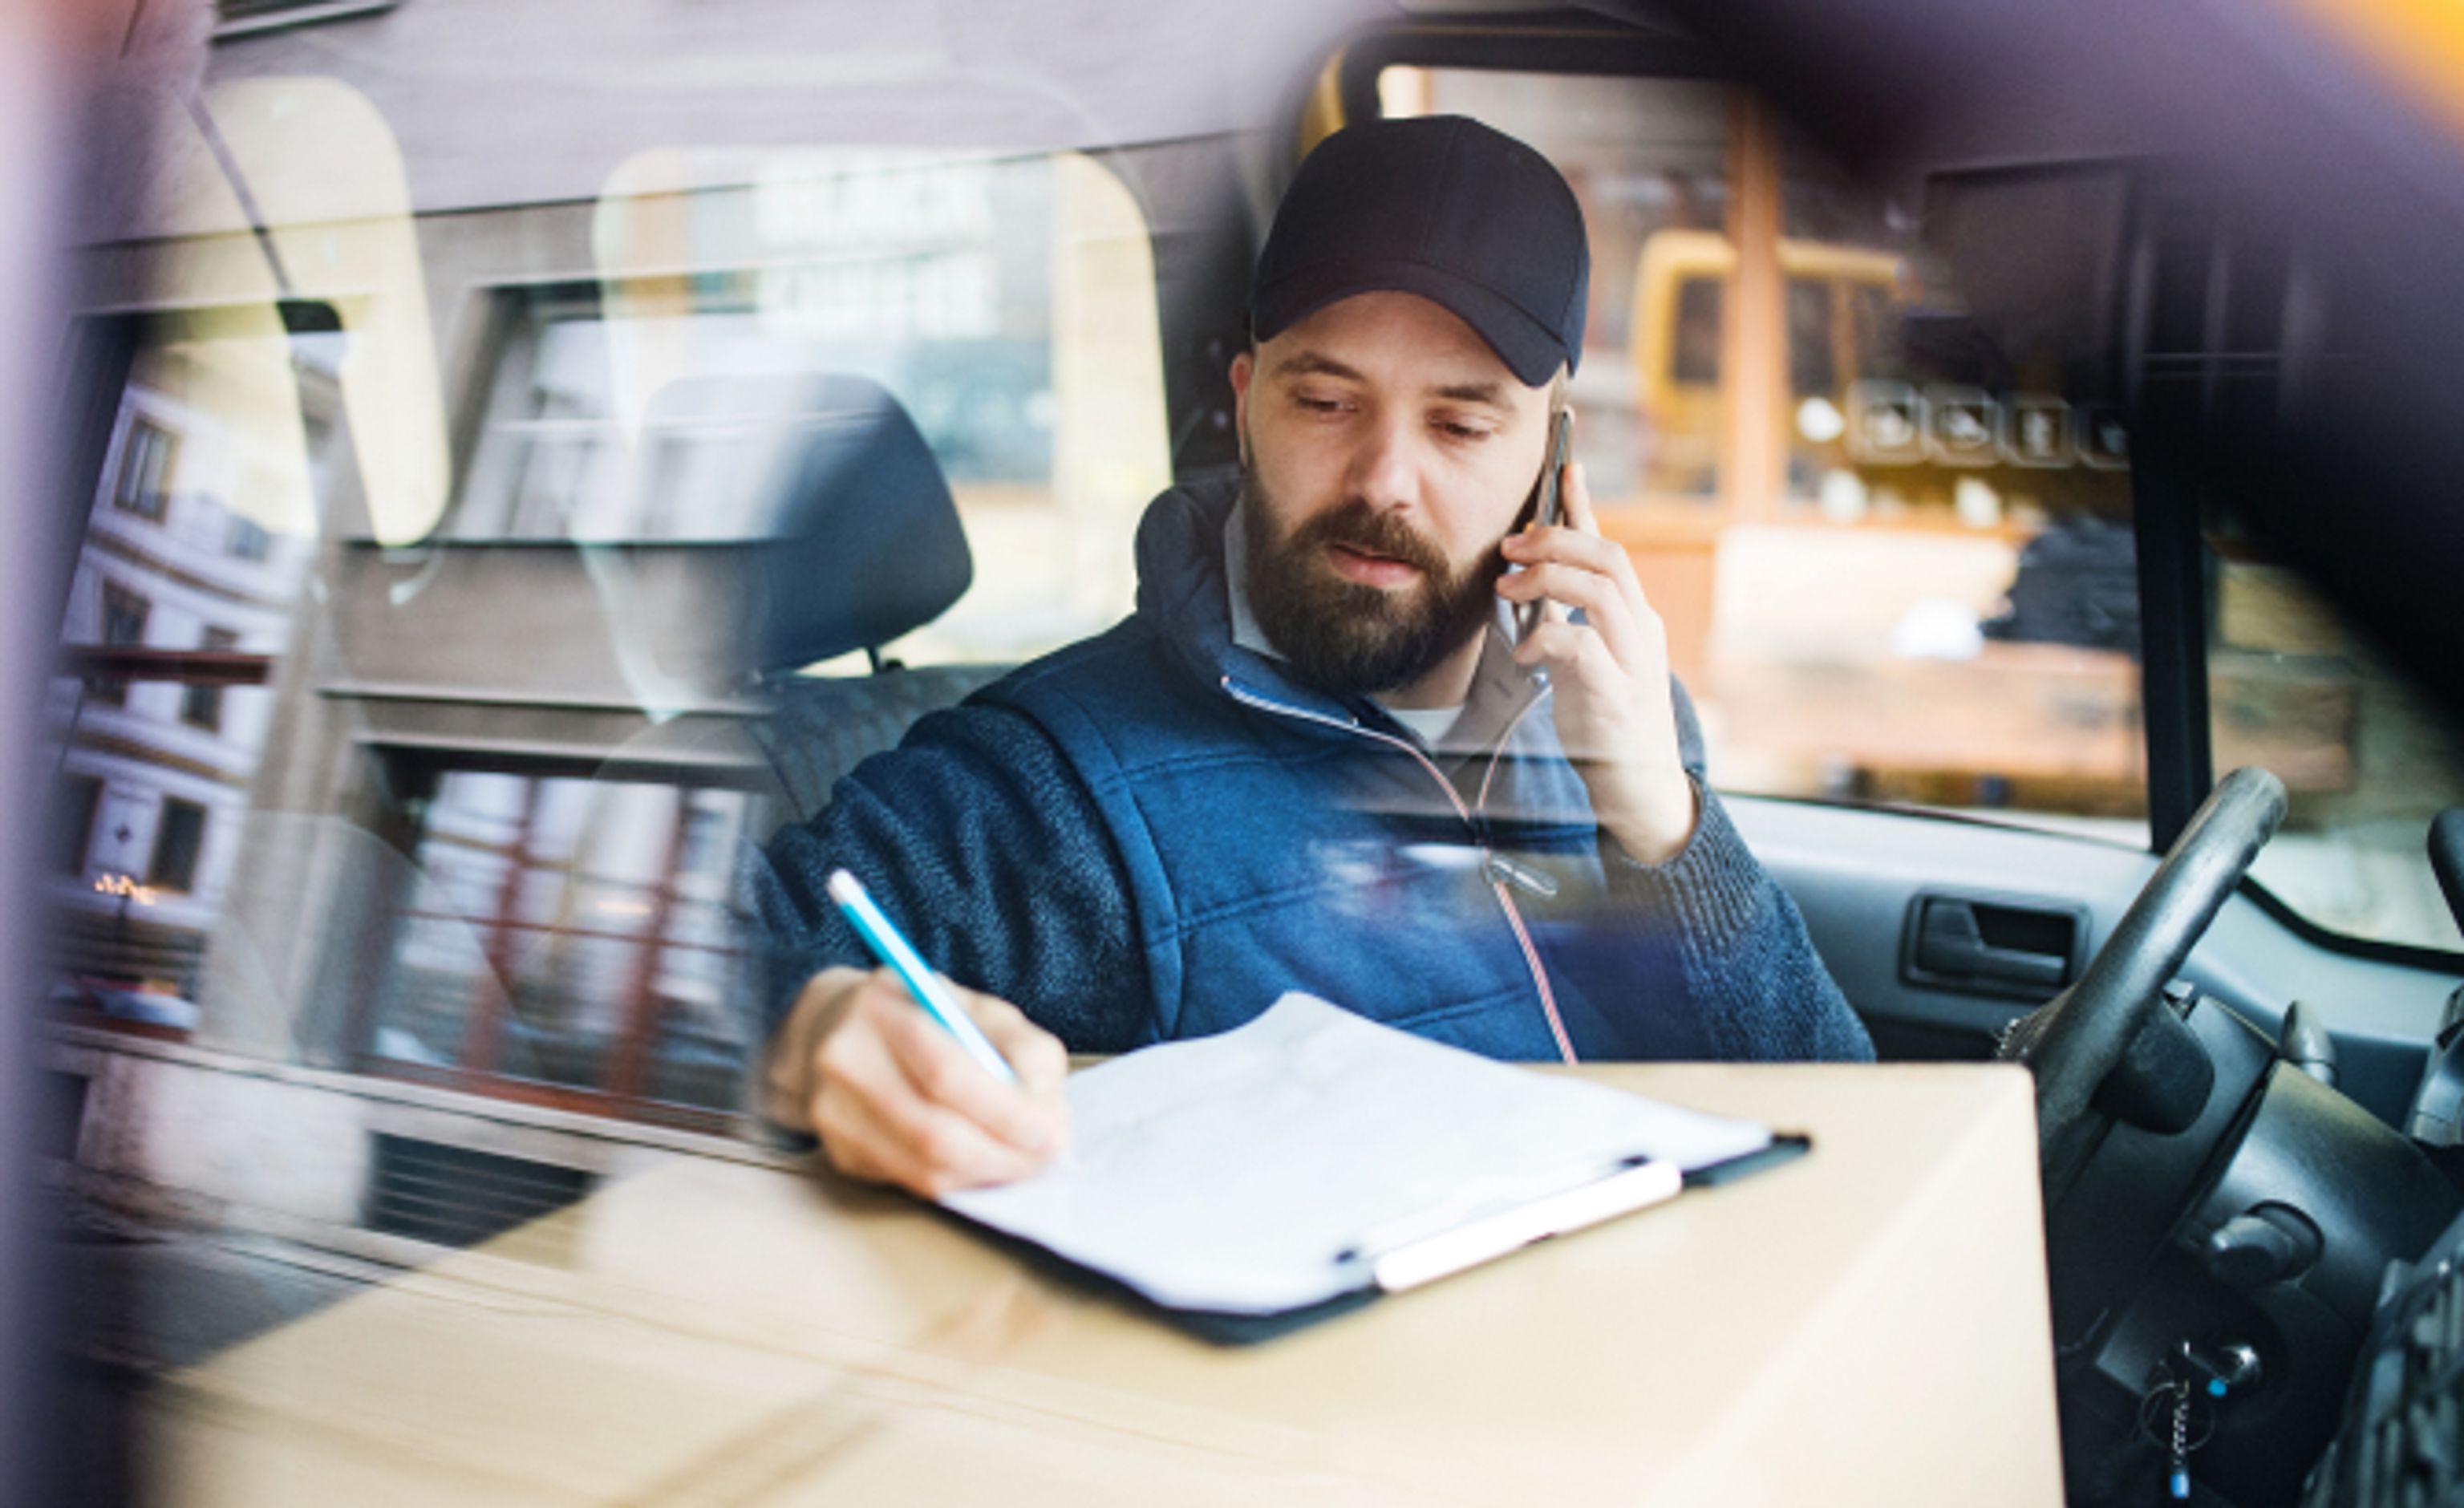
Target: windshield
554 490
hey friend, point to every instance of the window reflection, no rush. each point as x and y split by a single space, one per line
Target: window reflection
572 933
145 468
1678 354
124 612
178 836
201 707
2369 758
1008 304
198 538
1649 160
1894 561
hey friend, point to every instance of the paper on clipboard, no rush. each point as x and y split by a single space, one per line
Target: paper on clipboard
1270 1168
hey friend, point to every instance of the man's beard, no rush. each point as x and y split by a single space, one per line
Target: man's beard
1342 637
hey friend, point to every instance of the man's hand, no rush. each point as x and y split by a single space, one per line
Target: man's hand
896 1099
1616 714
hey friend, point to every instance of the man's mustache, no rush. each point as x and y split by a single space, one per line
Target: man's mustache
1356 525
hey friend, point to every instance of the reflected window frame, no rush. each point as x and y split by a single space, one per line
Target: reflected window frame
149 452
179 844
75 808
122 613
627 1085
247 539
201 702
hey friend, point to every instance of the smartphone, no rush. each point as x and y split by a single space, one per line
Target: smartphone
1545 507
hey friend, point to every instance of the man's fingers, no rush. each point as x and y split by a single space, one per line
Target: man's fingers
1535 550
875 1121
894 1096
893 1135
1575 490
1570 585
1610 556
1042 1063
1567 587
1607 609
1578 540
1571 547
944 1073
1569 647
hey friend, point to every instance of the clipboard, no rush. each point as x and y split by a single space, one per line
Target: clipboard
1246 1184
1224 1328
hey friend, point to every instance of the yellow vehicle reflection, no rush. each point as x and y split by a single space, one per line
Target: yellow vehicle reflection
1939 602
1839 300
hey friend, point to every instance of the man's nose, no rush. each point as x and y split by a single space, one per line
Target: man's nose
1386 469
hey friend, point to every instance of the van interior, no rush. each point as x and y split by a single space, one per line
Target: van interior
506 458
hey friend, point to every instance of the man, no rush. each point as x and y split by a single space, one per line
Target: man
1316 757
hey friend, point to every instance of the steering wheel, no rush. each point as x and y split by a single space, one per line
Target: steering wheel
2075 1041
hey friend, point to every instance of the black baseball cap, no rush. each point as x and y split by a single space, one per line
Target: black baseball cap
1442 206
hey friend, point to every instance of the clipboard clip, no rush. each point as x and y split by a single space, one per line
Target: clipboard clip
1480 1226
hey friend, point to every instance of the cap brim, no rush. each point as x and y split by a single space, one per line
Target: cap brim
1530 349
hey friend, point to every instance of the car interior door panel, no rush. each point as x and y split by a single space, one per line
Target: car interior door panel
1997 945
1857 898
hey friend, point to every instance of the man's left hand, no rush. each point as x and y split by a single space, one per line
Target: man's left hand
1616 711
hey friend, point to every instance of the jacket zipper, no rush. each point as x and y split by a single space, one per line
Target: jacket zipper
1495 868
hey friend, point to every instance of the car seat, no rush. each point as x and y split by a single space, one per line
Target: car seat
868 549
817 523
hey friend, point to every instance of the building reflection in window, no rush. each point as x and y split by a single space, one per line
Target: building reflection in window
574 935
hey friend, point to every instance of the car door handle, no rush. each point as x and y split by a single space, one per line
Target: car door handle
1961 940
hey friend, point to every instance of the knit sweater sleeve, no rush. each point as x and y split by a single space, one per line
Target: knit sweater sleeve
986 849
1742 948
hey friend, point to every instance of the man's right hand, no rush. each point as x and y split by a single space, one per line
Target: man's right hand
896 1099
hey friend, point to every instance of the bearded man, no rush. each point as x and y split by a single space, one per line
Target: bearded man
1318 756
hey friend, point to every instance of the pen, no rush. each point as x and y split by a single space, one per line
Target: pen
892 948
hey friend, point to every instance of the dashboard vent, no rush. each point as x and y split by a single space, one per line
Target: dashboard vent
454 1196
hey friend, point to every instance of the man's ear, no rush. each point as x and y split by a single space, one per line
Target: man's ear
1245 366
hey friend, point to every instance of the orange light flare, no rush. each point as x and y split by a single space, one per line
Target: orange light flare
125 885
2417 46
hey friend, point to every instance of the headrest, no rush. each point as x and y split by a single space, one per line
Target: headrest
860 542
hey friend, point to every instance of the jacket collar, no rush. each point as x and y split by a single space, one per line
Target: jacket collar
1184 595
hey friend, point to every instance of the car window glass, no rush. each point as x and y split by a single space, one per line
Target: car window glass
1007 304
1892 565
385 738
1650 160
575 932
217 463
265 376
2369 759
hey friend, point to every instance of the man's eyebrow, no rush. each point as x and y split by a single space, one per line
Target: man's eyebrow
1492 393
1315 364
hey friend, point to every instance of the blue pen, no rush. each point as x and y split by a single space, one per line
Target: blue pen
893 949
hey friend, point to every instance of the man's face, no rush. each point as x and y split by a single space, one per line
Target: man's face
1385 450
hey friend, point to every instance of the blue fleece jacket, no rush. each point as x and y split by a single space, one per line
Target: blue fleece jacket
1153 832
